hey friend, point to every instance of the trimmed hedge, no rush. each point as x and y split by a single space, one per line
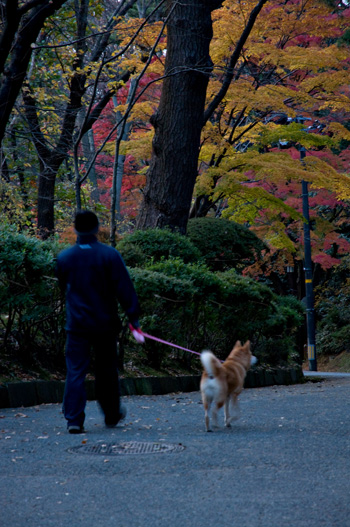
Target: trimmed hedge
183 301
190 305
141 247
333 310
224 244
31 311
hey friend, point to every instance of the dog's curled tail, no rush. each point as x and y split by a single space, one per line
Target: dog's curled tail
210 363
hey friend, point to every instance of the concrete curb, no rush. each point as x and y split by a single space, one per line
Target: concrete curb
32 393
327 374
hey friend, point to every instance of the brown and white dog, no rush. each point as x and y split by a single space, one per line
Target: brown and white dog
223 382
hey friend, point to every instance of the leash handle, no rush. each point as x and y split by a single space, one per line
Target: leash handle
137 334
168 343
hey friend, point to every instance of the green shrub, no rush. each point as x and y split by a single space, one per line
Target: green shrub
184 303
167 303
276 343
132 254
197 309
333 312
224 244
154 244
30 311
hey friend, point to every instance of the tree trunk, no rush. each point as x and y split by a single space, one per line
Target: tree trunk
21 27
52 158
46 193
88 144
178 121
181 116
118 167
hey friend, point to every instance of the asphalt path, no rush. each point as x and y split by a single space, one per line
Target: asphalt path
284 463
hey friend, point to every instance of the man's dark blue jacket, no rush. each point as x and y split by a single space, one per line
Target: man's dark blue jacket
95 279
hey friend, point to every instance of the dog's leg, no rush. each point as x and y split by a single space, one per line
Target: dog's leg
237 411
206 413
207 422
227 413
236 415
215 415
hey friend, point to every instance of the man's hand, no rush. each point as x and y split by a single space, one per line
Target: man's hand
137 334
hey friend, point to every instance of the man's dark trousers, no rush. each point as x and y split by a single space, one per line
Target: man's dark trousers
78 353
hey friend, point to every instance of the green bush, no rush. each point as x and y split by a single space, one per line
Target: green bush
31 314
141 247
183 301
132 254
276 343
333 312
167 302
224 244
197 309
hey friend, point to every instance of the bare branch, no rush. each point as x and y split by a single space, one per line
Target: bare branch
133 99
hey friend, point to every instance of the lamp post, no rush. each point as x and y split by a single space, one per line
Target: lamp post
310 311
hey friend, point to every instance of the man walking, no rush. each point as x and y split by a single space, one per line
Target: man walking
94 279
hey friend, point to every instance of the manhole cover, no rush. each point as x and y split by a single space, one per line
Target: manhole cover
131 447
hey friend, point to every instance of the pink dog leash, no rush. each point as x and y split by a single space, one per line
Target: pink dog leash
168 343
138 334
171 344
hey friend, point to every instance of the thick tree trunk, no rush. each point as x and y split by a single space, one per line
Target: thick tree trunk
46 193
179 119
181 116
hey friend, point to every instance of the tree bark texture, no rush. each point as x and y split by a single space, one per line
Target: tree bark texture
179 118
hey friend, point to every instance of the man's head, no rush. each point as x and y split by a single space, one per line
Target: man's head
86 222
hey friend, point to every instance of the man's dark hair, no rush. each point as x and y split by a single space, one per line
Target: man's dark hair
86 222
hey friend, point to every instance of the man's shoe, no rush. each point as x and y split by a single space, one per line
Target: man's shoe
75 429
122 412
110 425
122 415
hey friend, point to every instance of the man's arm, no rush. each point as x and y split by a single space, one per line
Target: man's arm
125 291
60 275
